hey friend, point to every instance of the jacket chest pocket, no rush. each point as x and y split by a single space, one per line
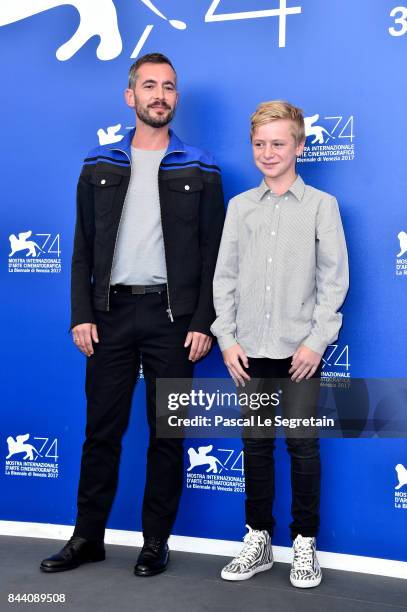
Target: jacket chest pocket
185 196
105 189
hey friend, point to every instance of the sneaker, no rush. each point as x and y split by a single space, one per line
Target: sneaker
305 570
255 556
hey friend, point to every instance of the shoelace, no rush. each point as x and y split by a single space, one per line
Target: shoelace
303 553
248 553
153 543
73 543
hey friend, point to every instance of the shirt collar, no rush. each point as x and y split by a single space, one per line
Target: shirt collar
297 189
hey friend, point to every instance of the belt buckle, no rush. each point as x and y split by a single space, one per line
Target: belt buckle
138 290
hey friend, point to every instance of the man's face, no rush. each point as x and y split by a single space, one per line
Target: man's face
275 149
154 96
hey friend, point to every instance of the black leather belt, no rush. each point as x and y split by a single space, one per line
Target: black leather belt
138 289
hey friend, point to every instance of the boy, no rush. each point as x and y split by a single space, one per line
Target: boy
281 276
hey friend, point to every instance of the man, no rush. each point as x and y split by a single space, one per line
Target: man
281 276
149 220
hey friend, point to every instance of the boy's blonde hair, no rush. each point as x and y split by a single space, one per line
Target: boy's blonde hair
267 112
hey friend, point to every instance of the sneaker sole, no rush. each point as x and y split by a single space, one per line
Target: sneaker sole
247 575
306 584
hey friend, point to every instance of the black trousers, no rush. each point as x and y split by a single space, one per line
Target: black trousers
136 328
300 401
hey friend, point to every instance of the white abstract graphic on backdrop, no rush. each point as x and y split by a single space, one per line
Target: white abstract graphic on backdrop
96 19
99 18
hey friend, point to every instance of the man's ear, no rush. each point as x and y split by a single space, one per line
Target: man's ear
129 97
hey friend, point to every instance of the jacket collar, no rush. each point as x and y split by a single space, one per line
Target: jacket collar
174 146
297 189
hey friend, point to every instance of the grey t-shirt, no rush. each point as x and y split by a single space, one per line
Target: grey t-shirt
139 256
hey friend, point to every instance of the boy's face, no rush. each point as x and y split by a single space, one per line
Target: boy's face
275 149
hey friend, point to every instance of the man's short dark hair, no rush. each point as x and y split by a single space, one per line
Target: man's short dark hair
149 58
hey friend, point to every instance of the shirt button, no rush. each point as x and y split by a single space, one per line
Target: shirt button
269 260
285 197
267 316
268 287
273 233
103 182
268 197
277 206
187 187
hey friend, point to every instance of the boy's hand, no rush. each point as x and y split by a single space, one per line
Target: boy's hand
232 358
304 363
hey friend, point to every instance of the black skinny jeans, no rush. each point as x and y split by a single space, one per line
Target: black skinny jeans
137 327
300 400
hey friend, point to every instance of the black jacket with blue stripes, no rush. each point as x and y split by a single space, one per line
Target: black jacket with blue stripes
192 216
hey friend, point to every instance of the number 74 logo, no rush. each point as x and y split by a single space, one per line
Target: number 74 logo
336 357
51 244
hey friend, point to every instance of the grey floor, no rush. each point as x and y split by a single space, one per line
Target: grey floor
191 583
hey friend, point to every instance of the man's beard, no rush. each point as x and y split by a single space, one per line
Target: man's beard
158 122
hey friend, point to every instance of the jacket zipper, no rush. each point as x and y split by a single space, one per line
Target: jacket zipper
169 311
117 234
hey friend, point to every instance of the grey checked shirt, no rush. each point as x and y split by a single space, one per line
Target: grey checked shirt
282 272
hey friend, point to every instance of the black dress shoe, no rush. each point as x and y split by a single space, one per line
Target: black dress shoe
75 552
153 558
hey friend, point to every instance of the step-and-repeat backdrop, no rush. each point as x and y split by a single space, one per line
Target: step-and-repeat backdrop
63 71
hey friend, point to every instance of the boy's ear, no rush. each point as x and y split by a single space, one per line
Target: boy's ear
300 148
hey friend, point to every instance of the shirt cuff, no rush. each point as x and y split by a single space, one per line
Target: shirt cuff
315 344
226 342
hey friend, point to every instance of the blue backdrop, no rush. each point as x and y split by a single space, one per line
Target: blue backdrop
342 62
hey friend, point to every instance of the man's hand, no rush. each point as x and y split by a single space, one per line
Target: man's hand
304 363
83 335
232 358
200 345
